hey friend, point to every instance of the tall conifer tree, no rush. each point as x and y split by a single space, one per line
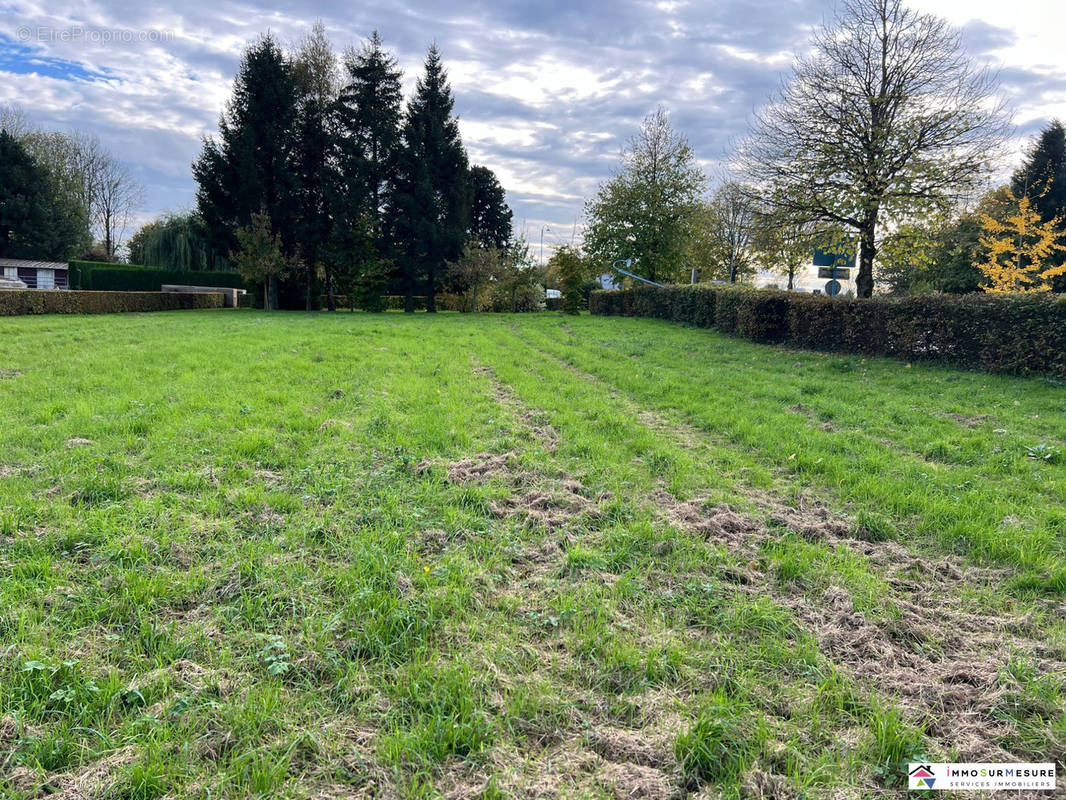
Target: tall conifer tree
248 168
367 118
490 216
1042 178
430 198
315 74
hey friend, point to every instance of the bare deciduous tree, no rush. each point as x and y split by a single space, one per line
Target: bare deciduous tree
117 196
884 120
13 120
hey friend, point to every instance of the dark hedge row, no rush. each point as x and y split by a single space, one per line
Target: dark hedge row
1018 333
102 276
16 302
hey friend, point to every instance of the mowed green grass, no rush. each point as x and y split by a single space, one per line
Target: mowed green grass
233 562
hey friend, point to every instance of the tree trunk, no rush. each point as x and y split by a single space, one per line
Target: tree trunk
331 299
266 295
272 291
431 300
310 285
791 278
864 281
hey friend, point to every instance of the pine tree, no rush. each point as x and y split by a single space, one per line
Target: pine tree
429 202
1043 174
315 74
1042 178
490 216
368 113
249 167
23 201
367 117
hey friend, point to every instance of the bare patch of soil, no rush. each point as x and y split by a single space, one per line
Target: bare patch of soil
481 468
78 441
552 507
969 422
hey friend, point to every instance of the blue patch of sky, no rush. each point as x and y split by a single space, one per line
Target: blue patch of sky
19 59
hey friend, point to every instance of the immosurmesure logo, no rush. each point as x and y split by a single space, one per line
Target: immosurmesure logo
942 777
922 776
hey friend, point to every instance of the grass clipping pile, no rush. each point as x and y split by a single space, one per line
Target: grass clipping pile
941 662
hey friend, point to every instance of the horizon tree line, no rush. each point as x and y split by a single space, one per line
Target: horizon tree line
359 189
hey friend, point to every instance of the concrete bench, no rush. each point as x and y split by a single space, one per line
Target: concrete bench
230 297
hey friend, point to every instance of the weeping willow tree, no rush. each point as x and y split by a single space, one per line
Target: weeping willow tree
176 242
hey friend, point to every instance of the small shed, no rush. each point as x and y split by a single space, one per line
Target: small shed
36 274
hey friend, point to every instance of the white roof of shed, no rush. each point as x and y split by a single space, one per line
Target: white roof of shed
23 263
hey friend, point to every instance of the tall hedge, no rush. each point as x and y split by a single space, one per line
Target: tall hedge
102 276
16 302
1015 333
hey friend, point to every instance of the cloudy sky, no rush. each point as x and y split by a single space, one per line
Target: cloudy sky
547 91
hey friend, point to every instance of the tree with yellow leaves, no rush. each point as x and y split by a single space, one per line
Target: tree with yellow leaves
1020 249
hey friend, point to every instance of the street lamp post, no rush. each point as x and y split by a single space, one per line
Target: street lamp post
542 229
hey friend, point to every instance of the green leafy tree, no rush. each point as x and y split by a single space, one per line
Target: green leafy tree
248 168
647 210
357 268
429 204
476 268
885 120
571 270
68 187
259 256
176 242
368 114
519 286
939 253
490 216
730 226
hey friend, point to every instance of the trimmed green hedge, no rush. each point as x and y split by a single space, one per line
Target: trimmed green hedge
1015 333
16 302
102 276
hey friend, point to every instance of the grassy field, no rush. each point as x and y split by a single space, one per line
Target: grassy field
283 555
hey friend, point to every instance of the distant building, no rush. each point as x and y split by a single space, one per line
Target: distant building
36 274
817 274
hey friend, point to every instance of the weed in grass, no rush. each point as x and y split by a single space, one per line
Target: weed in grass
894 742
722 742
873 528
